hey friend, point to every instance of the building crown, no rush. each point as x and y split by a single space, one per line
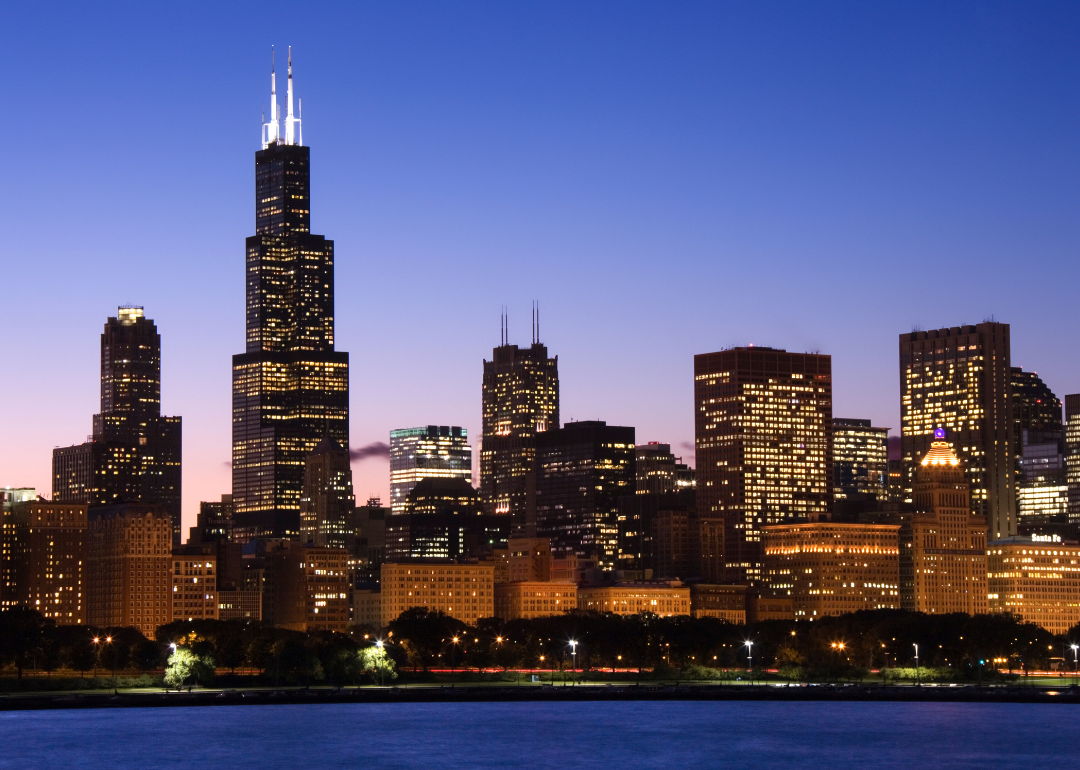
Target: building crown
941 452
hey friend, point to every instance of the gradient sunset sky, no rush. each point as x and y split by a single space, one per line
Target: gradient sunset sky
664 178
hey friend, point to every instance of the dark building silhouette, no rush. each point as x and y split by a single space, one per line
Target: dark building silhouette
327 505
763 426
214 530
659 471
290 386
369 534
582 469
443 520
520 401
134 452
960 379
662 536
1072 455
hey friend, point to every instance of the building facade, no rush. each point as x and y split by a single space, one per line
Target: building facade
860 459
194 587
308 586
534 599
659 598
290 386
327 505
432 451
728 603
1037 580
44 565
520 401
129 567
582 469
462 591
134 452
763 426
239 605
444 520
833 568
659 472
942 543
960 379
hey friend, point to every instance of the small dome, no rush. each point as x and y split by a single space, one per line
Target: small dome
940 453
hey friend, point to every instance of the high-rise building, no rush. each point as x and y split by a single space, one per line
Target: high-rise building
44 546
942 543
290 386
1072 455
763 426
128 567
432 451
1037 579
194 585
520 401
833 568
1035 407
960 379
582 469
860 459
1042 493
443 520
327 504
369 527
310 586
134 452
657 469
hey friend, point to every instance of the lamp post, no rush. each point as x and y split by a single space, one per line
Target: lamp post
109 640
750 660
379 647
172 646
453 651
1074 647
918 680
573 657
97 649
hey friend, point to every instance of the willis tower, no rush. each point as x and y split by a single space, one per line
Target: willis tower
290 387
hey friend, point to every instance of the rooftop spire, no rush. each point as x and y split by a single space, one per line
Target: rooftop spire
290 122
271 132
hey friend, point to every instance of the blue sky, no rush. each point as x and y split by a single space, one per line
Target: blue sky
665 179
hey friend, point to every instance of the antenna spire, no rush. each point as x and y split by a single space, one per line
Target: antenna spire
290 121
270 130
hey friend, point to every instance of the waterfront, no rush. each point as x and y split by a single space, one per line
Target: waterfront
594 734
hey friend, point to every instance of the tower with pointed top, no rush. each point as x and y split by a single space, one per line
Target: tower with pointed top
520 400
290 386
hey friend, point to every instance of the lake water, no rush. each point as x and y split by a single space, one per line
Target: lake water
617 735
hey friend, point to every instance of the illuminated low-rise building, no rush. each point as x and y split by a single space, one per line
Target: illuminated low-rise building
833 568
1036 579
367 607
534 599
719 601
942 544
462 591
661 598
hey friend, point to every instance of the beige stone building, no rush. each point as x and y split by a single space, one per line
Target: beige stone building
194 587
726 602
462 591
832 568
943 544
661 598
534 599
1036 580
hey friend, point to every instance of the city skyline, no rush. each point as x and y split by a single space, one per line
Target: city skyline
682 228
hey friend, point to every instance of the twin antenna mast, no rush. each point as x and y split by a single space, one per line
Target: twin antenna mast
504 324
271 130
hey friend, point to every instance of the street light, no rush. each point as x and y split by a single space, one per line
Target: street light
96 650
453 651
109 640
750 660
918 681
573 655
1074 647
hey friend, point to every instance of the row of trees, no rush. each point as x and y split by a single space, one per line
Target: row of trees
425 640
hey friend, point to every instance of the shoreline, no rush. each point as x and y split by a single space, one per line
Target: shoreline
544 694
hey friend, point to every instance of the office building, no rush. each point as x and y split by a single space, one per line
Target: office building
719 601
369 527
307 586
444 520
860 459
763 426
659 472
239 605
1036 579
520 401
534 599
528 560
214 521
1035 407
194 585
134 452
1042 494
129 567
942 543
462 591
327 506
833 568
663 598
44 565
290 386
1072 455
433 451
582 469
960 379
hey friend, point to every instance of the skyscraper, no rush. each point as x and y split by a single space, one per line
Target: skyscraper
660 472
582 469
327 504
44 545
960 379
1072 454
134 453
520 400
290 386
432 451
763 425
860 459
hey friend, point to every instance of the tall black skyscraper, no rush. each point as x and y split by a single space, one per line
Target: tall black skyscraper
290 387
134 453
